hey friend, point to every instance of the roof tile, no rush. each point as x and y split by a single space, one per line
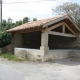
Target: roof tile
33 24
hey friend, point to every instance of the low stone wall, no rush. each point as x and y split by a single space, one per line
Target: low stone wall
75 53
37 55
57 54
31 54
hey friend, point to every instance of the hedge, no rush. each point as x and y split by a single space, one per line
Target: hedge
5 38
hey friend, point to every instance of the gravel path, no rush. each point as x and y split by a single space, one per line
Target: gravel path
56 70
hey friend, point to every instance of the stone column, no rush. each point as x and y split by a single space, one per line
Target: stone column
44 41
44 44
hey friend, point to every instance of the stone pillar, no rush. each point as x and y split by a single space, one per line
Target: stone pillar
44 44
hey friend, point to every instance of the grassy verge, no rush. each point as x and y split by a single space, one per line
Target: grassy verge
12 57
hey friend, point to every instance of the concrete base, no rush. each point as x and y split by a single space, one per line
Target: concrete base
38 55
31 54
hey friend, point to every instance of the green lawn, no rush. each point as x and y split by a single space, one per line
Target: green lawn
12 57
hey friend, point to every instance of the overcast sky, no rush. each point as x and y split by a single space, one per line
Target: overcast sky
32 8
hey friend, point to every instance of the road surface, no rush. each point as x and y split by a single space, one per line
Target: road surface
55 70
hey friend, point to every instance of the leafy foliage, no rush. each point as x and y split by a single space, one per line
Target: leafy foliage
5 38
34 19
6 25
18 23
72 9
4 22
25 19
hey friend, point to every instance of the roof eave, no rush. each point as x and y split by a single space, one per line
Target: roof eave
74 24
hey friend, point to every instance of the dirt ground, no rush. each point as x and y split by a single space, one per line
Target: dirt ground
54 70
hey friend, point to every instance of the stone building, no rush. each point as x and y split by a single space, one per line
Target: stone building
47 39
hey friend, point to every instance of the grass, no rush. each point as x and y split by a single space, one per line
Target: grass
12 57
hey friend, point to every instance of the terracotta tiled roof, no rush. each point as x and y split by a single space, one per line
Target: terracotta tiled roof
34 24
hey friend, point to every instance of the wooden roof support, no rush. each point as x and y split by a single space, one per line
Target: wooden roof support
64 25
73 23
63 29
61 34
30 30
55 26
69 28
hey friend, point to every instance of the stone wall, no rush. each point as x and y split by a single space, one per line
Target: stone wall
37 55
31 54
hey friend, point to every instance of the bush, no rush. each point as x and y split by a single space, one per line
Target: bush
5 38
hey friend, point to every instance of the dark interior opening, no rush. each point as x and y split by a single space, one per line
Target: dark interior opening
60 42
58 29
32 40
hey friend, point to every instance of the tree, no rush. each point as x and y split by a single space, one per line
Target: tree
25 19
34 19
4 22
18 23
7 24
72 9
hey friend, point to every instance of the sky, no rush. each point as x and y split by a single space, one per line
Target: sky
39 9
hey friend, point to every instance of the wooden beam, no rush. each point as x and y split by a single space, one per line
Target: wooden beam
61 34
74 23
55 26
69 28
63 29
29 30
